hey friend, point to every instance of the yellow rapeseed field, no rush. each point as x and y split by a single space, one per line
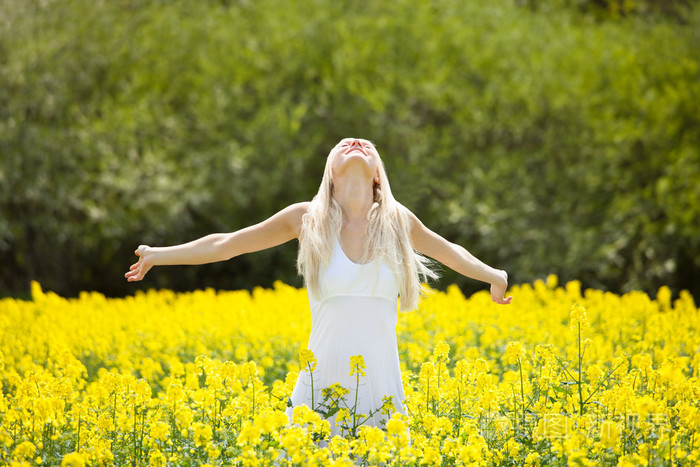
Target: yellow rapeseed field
559 377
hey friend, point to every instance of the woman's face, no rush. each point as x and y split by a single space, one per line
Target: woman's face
355 154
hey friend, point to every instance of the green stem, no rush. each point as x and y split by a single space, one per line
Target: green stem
143 431
33 420
114 420
692 441
459 408
522 391
136 446
252 385
566 370
580 358
427 397
354 409
438 375
311 375
602 382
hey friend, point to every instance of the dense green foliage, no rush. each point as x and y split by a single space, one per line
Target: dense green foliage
617 9
544 140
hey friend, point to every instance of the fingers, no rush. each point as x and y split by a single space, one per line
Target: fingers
133 270
498 295
501 300
134 274
138 270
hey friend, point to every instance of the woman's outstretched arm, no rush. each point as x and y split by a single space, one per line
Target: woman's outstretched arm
458 258
278 229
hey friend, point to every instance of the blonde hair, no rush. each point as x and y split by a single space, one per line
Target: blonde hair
388 238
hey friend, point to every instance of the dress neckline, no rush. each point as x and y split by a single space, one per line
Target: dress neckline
342 251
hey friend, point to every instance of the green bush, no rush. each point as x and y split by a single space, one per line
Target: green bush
677 10
542 140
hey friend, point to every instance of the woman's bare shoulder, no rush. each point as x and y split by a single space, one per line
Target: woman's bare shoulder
412 219
298 209
294 214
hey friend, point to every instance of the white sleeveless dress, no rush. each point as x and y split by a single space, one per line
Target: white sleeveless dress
355 314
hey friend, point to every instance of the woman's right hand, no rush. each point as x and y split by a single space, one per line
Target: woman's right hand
498 290
138 270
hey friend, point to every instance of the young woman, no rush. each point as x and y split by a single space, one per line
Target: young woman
361 256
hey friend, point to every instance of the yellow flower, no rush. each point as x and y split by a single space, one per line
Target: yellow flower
74 459
342 462
212 451
160 430
334 391
293 440
357 365
609 433
471 454
502 424
532 460
307 359
339 446
398 431
271 420
441 352
24 450
36 291
184 417
372 436
552 426
187 380
228 371
642 361
431 456
481 366
204 363
634 460
396 425
594 373
247 371
388 405
573 289
202 433
427 370
303 415
342 416
157 458
514 353
663 297
578 317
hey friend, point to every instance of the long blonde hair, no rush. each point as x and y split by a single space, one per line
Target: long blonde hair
387 238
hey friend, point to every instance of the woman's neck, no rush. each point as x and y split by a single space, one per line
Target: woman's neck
355 197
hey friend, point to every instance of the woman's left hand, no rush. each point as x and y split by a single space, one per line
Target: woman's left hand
142 266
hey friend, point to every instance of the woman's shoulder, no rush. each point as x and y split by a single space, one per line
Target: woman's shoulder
410 218
294 214
299 208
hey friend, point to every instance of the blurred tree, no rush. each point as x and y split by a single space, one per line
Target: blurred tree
573 150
